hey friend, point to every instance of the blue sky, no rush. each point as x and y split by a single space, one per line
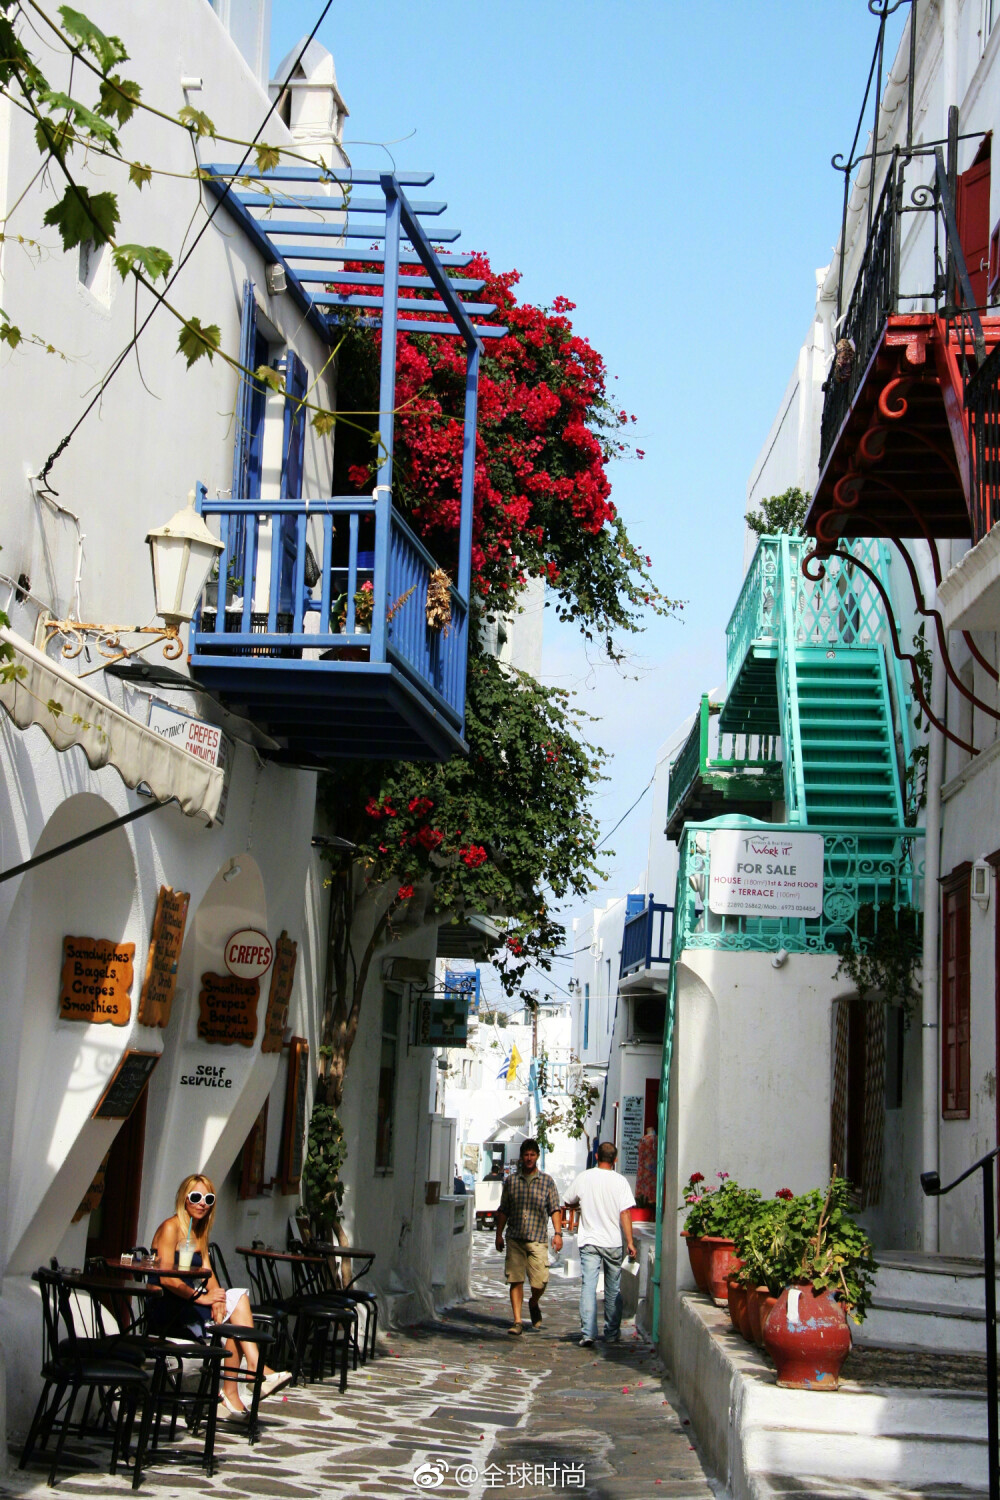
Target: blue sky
666 166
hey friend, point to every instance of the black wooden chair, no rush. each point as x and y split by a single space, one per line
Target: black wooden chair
264 1334
72 1363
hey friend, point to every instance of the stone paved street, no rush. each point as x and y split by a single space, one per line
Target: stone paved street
477 1411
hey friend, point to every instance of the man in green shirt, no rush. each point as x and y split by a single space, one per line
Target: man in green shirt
529 1198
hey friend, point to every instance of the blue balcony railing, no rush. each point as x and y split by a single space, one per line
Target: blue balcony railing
646 939
303 661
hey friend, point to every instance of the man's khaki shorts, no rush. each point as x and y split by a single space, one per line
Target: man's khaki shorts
527 1260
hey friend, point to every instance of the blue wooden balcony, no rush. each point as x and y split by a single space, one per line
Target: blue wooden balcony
319 629
645 939
301 662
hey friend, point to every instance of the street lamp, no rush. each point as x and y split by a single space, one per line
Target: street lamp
182 553
931 1184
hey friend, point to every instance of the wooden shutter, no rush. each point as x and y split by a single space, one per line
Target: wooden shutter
955 994
972 212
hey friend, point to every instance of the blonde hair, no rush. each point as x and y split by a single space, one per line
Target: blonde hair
204 1229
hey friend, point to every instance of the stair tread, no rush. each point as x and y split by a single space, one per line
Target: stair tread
932 1309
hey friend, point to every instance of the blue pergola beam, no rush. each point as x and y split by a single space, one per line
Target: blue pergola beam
372 257
425 249
349 205
372 278
406 304
347 176
351 231
480 330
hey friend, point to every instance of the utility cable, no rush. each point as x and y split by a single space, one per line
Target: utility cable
116 366
625 814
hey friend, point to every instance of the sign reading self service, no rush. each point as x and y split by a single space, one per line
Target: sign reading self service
765 873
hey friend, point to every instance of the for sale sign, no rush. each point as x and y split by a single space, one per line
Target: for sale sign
765 873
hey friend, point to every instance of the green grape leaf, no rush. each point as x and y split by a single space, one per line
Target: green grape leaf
139 174
119 98
196 340
268 157
196 121
95 126
270 377
9 333
108 50
80 216
323 422
154 261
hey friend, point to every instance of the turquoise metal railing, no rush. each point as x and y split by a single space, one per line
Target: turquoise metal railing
753 618
739 762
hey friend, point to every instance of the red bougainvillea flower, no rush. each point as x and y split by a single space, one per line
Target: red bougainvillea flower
515 945
785 1193
429 838
473 855
405 892
421 806
372 808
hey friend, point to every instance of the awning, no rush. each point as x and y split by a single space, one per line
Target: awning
71 713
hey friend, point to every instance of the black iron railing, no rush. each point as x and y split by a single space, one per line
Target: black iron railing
877 294
982 402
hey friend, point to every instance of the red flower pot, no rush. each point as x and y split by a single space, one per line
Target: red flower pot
759 1303
643 1215
720 1262
808 1338
696 1256
737 1301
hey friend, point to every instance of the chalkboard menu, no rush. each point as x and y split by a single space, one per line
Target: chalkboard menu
127 1083
632 1113
280 993
164 954
95 981
293 1130
228 1009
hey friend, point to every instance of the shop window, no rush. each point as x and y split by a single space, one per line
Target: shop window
955 995
388 1064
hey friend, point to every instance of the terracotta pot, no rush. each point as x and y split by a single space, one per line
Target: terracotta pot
720 1262
756 1298
696 1256
736 1297
808 1338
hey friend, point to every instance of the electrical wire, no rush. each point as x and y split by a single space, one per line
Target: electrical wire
628 810
116 366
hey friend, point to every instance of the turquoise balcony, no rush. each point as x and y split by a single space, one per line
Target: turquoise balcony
718 773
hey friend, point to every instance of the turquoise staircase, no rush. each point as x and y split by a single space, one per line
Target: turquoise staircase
808 660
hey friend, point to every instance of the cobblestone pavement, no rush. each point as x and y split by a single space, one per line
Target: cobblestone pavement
477 1412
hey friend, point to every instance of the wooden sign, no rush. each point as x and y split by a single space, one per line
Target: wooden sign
126 1084
96 980
293 1126
228 1009
252 1181
91 1199
280 993
164 954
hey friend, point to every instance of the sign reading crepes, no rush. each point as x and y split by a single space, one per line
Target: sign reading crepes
96 980
765 873
248 953
282 977
206 742
228 1009
164 954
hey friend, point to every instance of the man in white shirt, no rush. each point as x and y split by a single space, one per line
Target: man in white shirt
606 1202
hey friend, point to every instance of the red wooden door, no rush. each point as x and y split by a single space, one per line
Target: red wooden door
972 211
114 1226
955 996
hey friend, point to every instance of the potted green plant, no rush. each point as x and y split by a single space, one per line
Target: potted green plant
714 1216
762 1246
825 1260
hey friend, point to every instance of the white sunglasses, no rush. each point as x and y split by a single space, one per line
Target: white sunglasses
207 1198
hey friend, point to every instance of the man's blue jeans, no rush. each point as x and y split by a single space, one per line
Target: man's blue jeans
592 1258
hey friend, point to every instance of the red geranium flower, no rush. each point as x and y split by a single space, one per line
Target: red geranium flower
785 1193
405 892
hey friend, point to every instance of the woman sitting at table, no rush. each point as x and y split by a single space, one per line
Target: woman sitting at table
185 1311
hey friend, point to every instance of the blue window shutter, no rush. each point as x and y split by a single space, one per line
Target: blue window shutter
245 394
292 455
634 904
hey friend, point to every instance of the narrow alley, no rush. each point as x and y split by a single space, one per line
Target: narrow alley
458 1408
